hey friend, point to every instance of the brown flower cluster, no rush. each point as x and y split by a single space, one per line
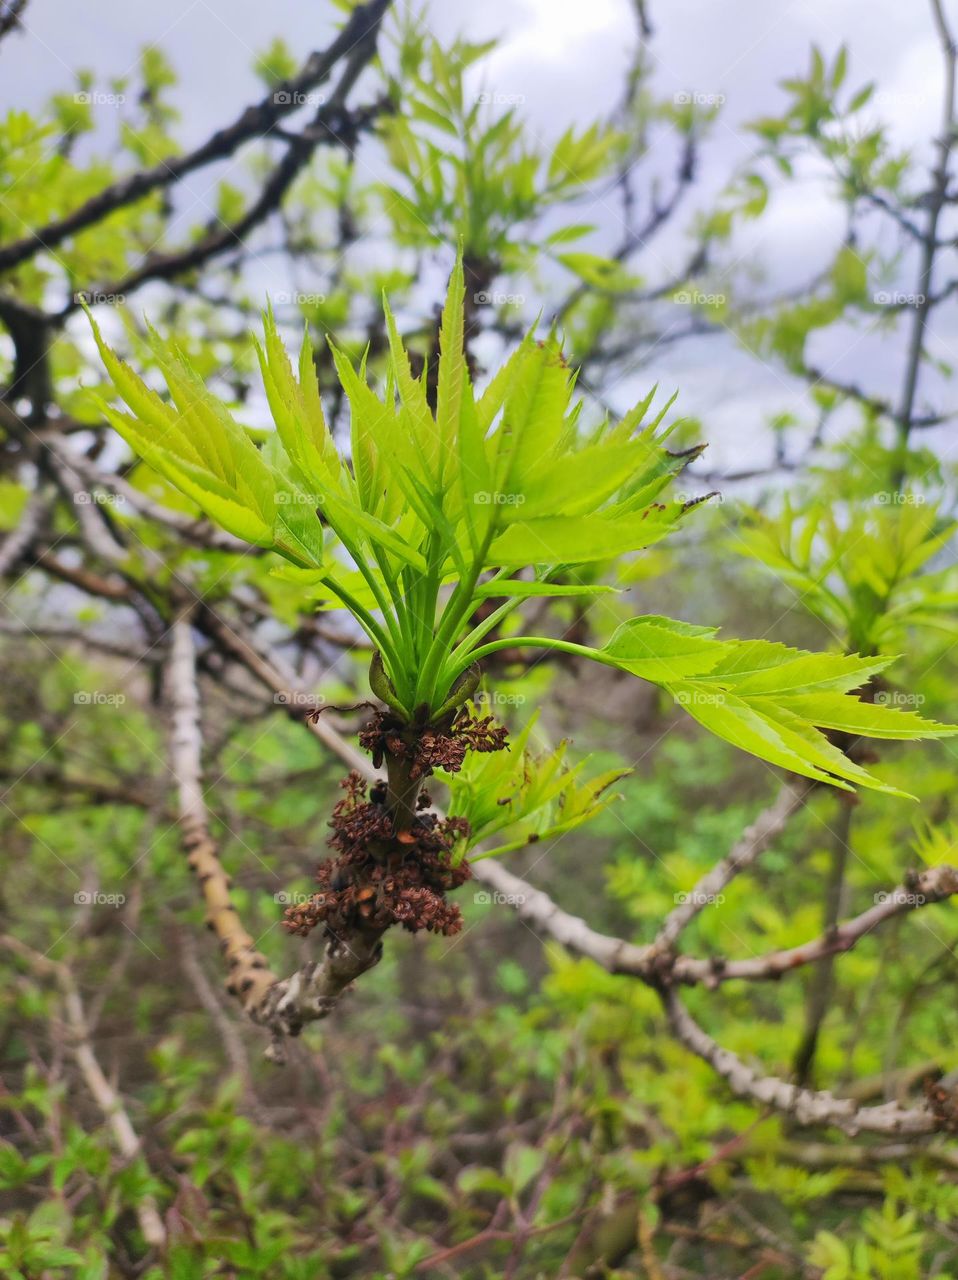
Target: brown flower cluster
943 1102
431 747
374 883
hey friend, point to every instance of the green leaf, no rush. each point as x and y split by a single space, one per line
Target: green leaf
766 698
507 587
850 715
533 415
215 498
581 539
453 383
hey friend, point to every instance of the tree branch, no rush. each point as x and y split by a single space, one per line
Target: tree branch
936 202
808 1107
11 15
254 122
655 964
195 530
250 977
752 844
921 890
332 124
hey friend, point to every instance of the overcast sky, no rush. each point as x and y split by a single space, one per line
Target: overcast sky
566 59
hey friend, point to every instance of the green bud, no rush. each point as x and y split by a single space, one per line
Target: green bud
382 686
463 689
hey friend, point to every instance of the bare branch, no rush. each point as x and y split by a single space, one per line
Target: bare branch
198 531
11 14
638 237
808 1106
655 964
92 583
922 890
332 124
822 983
250 977
314 990
936 201
254 122
753 842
